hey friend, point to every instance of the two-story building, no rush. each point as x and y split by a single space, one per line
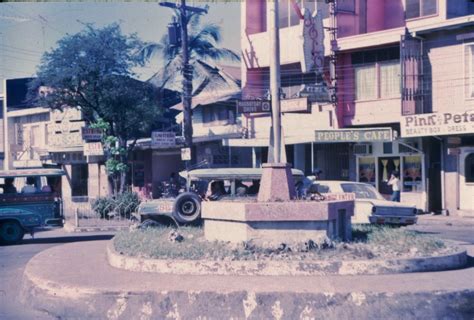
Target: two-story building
390 65
400 64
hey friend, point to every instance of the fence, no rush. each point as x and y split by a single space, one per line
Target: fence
94 212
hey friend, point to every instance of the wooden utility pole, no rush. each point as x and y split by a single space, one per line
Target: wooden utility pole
186 95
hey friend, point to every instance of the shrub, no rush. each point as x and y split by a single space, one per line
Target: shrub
122 205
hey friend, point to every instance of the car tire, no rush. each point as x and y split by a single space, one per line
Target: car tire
187 208
11 232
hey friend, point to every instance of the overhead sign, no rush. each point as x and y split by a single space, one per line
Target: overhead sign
91 134
93 149
355 135
161 139
186 154
295 105
253 106
436 124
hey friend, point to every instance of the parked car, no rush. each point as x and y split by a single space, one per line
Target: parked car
29 199
370 206
204 184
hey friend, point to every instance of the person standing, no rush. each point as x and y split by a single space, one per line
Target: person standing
395 183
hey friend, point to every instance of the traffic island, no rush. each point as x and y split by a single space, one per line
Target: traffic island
74 281
156 250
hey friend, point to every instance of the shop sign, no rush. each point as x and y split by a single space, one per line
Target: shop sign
186 154
162 139
454 140
295 105
354 135
93 149
253 106
435 124
91 134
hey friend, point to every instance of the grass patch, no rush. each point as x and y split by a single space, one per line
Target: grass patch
369 242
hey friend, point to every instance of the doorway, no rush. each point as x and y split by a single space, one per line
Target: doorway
386 165
466 179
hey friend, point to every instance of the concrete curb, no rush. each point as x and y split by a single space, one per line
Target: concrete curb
73 229
74 281
285 268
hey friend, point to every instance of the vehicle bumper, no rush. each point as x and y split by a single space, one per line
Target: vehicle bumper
394 220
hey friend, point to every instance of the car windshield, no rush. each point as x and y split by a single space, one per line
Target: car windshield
362 191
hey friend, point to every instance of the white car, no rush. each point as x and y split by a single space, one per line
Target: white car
370 206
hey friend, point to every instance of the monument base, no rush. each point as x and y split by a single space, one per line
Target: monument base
277 183
273 223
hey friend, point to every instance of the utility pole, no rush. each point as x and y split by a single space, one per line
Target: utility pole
275 79
277 182
186 95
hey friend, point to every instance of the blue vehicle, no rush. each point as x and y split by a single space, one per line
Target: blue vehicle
29 199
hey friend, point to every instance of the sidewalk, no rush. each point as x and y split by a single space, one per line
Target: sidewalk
75 281
447 220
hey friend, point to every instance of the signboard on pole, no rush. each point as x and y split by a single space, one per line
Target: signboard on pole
161 139
253 106
295 105
93 149
437 124
91 134
186 154
354 135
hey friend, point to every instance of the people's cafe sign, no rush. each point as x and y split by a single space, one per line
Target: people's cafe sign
355 135
436 124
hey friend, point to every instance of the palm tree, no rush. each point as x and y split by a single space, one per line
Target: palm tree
203 44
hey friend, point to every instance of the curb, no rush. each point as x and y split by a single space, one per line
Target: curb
83 293
72 229
249 305
285 268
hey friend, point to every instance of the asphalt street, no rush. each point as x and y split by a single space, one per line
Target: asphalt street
13 260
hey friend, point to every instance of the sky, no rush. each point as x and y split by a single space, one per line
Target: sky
27 30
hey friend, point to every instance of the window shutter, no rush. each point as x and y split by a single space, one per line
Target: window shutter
411 74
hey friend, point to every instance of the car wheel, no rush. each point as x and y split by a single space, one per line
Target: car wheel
11 232
187 208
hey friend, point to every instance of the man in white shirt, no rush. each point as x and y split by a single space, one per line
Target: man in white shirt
395 183
30 186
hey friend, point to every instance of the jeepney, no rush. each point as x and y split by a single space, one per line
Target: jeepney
184 207
29 199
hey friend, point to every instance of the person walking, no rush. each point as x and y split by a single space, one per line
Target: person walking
395 183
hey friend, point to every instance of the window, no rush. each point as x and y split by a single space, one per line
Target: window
287 14
389 79
218 115
377 73
469 168
79 175
412 174
365 79
420 8
346 5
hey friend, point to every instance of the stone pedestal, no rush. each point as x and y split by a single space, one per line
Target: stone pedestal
277 183
277 222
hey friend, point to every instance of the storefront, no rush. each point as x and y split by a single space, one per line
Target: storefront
455 132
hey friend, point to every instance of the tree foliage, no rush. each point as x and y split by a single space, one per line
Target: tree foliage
93 70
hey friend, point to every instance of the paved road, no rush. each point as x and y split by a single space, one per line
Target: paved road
447 229
13 260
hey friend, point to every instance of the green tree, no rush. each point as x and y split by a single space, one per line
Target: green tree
93 70
203 44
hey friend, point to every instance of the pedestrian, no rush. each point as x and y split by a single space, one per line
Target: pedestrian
395 183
